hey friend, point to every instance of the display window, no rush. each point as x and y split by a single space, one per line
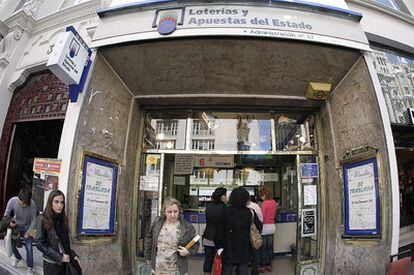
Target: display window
188 154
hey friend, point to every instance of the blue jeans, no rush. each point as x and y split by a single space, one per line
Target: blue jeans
228 269
266 251
255 261
28 243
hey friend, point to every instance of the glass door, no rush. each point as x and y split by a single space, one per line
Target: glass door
149 195
309 221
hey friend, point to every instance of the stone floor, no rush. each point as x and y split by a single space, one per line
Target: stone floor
282 265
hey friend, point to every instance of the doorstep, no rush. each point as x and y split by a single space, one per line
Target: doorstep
21 268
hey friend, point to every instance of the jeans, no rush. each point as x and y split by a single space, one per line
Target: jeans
28 243
255 261
54 269
210 252
266 251
228 269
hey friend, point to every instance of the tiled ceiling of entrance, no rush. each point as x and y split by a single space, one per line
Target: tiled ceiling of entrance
228 66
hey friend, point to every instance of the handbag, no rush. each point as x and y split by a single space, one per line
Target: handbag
73 267
8 242
217 264
256 240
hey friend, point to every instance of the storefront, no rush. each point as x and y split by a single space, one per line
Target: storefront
185 98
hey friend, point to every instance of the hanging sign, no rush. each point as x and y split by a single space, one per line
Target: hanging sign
70 61
98 197
362 211
214 161
309 222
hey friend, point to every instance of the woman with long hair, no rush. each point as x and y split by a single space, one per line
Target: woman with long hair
214 218
166 240
53 236
235 233
268 208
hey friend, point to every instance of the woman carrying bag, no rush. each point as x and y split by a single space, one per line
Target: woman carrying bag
165 242
53 238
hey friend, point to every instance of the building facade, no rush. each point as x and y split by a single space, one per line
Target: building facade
313 100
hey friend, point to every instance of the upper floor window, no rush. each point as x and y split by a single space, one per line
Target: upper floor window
68 3
20 5
394 4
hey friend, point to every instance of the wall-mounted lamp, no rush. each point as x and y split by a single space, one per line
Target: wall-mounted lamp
318 90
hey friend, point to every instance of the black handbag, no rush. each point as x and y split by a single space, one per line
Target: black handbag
73 267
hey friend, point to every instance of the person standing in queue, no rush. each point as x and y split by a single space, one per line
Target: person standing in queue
268 208
258 221
164 244
214 218
235 232
53 236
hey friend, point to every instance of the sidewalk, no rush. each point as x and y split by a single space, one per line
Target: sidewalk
21 268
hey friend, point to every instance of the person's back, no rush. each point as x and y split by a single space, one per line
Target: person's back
214 217
237 235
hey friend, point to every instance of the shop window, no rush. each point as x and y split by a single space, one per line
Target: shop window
396 75
394 4
405 160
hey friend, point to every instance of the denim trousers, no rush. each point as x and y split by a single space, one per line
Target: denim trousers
28 243
242 269
266 251
255 261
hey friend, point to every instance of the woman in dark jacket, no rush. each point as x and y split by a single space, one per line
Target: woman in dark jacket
214 218
53 235
236 233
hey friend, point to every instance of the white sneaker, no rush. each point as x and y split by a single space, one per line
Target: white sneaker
14 261
29 271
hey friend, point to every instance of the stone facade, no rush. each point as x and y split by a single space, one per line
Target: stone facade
351 119
103 128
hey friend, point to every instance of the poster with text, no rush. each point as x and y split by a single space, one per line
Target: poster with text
97 205
361 198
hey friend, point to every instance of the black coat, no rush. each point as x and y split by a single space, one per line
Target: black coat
235 234
214 218
48 243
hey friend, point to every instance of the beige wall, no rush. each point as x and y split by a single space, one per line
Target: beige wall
351 119
103 128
